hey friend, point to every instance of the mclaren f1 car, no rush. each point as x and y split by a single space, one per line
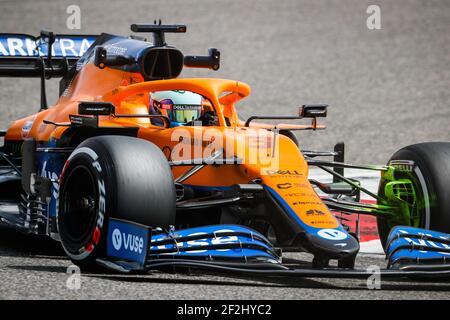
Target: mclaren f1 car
136 169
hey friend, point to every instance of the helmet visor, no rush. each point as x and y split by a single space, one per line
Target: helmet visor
185 112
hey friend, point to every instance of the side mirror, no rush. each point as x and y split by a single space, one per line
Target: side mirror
94 108
100 57
102 60
313 110
211 61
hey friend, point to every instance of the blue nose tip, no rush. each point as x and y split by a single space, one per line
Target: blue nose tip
332 243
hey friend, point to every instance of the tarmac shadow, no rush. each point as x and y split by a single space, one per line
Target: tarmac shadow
223 281
14 243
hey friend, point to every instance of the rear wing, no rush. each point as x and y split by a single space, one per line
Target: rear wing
57 55
23 55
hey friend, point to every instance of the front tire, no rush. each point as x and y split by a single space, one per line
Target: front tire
290 135
112 176
431 181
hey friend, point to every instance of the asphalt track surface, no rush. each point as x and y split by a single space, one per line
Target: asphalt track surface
386 88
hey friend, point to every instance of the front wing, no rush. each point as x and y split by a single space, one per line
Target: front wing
238 250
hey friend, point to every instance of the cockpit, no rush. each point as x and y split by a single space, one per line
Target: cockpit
183 108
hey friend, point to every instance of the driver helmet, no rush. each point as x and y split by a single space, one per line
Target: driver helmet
179 106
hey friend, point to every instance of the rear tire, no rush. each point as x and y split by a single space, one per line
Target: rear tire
112 176
431 180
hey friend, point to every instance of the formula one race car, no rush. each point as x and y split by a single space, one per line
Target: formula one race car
135 169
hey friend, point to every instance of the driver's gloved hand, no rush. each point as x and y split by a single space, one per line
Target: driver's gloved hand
209 118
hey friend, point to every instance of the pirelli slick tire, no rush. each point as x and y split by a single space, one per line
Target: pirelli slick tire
291 135
111 176
431 181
